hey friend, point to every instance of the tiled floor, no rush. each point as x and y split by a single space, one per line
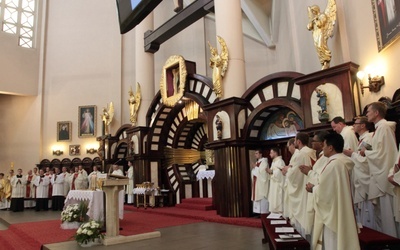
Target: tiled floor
202 235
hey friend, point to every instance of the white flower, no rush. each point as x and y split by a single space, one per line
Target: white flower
89 233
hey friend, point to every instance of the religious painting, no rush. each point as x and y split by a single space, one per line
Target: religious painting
282 124
64 131
173 79
387 21
74 150
87 121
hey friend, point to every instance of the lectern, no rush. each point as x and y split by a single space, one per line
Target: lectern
111 187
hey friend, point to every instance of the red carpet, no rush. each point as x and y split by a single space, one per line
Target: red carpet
33 235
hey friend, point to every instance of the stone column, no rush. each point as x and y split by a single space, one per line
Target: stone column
228 21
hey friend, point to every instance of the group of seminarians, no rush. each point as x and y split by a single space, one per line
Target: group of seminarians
343 182
44 188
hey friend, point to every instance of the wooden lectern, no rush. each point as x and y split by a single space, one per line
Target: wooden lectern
111 187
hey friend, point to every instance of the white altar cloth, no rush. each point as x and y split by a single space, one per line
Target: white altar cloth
205 174
95 205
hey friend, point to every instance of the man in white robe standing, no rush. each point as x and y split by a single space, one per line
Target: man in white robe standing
363 207
313 172
93 178
394 179
130 186
67 180
381 158
294 151
42 183
18 183
334 225
30 190
277 179
260 184
57 181
296 183
338 125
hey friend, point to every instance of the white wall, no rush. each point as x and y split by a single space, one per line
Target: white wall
87 62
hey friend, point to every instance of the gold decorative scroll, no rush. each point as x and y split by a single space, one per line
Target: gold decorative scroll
192 110
182 155
173 79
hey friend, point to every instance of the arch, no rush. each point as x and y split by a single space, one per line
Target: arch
266 97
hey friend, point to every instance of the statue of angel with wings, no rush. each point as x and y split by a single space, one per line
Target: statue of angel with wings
219 64
321 25
107 117
134 103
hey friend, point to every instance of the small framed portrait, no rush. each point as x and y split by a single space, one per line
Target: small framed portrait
64 131
173 80
74 149
387 21
87 121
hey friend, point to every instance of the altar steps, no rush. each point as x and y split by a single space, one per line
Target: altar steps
203 204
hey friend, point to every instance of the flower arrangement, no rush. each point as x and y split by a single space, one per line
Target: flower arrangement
89 232
74 212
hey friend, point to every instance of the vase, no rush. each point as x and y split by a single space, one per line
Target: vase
70 225
95 242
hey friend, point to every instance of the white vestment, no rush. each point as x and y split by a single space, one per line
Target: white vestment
381 158
277 179
93 180
363 206
18 186
260 185
130 186
42 186
67 182
296 189
286 207
350 138
58 184
334 207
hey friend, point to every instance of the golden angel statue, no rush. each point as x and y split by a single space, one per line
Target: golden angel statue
134 103
107 117
321 25
219 64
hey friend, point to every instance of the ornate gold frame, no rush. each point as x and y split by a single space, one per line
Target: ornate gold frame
173 62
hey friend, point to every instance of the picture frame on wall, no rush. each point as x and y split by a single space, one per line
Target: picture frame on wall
74 150
387 21
87 121
64 131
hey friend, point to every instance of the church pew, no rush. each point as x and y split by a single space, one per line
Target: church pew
373 240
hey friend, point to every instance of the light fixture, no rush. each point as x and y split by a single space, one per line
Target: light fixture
57 152
374 83
91 150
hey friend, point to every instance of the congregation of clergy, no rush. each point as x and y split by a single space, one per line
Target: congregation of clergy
338 185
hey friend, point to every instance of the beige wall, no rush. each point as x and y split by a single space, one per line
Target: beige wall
87 62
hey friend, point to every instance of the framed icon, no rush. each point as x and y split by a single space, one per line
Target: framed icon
64 131
87 121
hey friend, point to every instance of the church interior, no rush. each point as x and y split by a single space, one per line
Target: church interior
158 96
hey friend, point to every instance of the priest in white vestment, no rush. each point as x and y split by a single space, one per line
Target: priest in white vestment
67 180
294 151
277 179
30 190
79 179
93 178
18 184
394 179
130 186
334 225
363 207
42 183
296 183
381 158
57 181
260 184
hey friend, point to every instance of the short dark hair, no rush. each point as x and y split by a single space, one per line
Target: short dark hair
277 150
338 119
321 135
336 141
303 137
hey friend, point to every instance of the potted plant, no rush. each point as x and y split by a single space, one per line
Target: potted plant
89 234
73 215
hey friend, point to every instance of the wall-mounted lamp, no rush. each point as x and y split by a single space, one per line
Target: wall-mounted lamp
57 152
91 150
374 83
